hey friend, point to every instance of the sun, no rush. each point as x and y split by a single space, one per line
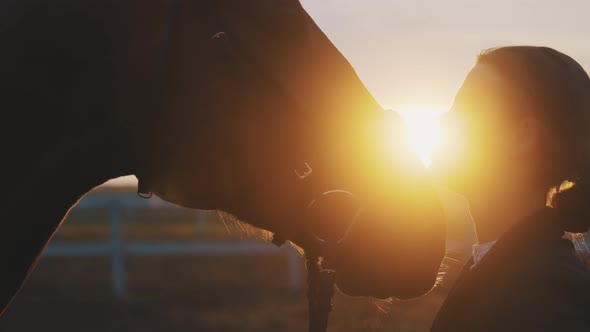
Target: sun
422 129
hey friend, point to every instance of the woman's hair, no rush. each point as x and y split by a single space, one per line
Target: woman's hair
556 89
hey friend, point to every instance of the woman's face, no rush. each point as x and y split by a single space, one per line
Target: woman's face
478 145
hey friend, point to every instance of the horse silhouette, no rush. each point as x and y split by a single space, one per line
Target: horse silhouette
245 107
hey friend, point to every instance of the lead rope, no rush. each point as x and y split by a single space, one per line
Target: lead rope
321 279
319 294
321 263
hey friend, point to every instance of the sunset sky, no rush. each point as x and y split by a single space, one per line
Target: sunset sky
411 52
414 54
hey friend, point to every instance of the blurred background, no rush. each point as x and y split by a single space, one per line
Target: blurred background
122 263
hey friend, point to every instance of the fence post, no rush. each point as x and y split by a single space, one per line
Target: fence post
117 251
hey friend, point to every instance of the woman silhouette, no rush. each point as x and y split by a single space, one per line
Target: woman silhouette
520 127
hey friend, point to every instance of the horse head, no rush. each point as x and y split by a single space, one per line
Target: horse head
240 106
263 117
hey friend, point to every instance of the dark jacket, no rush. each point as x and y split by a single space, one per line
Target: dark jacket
531 280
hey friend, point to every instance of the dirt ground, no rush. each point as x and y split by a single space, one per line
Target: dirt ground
187 293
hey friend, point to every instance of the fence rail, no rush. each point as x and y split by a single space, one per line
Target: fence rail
118 249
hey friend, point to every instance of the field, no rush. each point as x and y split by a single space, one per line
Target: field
246 292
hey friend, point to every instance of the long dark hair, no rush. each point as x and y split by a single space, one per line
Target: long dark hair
557 88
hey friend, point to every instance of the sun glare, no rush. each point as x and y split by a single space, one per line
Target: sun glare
422 130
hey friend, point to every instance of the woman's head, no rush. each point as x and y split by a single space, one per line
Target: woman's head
522 115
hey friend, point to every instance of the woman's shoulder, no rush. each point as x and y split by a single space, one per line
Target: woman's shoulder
531 280
538 247
542 266
543 287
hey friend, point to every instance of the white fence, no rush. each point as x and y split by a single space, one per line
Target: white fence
117 249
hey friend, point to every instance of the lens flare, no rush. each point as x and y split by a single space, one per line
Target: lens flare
422 130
